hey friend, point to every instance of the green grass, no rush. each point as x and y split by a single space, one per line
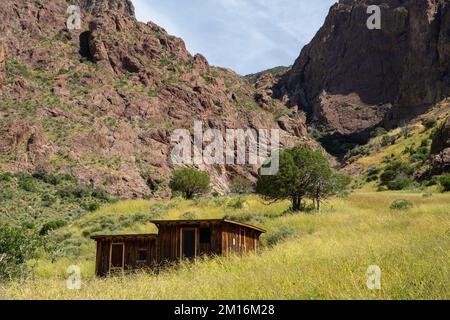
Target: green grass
323 256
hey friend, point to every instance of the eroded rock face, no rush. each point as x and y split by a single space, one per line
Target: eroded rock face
440 149
441 140
390 73
101 103
124 7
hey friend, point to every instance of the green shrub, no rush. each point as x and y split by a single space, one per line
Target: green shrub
17 245
444 181
400 182
26 182
240 185
401 204
51 225
430 123
93 206
101 194
50 178
396 175
377 132
48 200
6 177
388 140
237 203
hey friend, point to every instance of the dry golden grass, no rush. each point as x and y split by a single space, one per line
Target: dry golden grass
326 256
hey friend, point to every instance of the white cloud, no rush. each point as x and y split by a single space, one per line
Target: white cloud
244 35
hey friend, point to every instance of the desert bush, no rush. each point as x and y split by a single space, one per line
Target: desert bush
401 204
101 194
51 178
430 123
26 182
444 181
237 203
400 182
388 140
396 175
17 245
93 206
240 185
51 225
377 132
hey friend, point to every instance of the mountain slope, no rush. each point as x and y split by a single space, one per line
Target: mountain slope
350 79
101 103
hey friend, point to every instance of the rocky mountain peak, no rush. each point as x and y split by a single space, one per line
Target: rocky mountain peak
94 7
350 79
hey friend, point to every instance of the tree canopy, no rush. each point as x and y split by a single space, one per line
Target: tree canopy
190 182
303 173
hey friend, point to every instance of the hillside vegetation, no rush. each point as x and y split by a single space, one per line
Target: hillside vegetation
404 150
304 256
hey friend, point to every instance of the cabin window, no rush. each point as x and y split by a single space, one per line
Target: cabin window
205 235
142 255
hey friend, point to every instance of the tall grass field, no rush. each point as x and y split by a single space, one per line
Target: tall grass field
322 255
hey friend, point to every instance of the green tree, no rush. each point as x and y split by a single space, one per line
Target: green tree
300 171
17 245
190 182
329 183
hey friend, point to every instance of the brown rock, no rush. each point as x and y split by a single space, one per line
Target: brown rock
201 63
405 65
440 150
109 121
2 63
441 140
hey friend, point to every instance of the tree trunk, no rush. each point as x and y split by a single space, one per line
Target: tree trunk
296 203
318 205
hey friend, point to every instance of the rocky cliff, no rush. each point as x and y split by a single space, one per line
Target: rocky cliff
440 150
350 79
100 103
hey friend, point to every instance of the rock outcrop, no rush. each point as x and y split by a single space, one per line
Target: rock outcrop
440 150
101 102
350 79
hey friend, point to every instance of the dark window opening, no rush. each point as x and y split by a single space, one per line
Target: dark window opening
205 235
142 255
189 246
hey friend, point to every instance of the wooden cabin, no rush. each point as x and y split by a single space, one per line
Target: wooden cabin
176 240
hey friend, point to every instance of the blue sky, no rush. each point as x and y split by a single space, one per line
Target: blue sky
244 35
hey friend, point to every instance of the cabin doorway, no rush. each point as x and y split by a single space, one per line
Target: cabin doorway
188 243
117 257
